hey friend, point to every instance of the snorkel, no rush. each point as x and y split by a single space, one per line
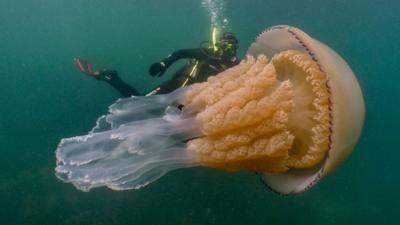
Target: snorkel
214 37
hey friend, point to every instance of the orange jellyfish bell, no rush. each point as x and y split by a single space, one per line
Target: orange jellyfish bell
345 105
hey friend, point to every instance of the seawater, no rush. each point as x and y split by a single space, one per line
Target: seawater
44 98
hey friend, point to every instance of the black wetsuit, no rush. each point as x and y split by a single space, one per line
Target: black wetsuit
208 63
111 77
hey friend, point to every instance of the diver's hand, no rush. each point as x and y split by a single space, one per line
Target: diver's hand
157 69
86 68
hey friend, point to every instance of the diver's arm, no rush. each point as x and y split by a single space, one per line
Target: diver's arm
193 53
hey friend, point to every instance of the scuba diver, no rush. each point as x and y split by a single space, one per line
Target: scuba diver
204 62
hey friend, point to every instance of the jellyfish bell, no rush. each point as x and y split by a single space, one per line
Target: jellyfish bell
346 104
292 110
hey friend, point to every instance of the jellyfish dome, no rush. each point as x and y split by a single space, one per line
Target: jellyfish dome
291 111
344 105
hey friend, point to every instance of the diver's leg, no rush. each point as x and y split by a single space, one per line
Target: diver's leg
111 77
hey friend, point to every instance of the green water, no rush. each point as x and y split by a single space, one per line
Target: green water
43 98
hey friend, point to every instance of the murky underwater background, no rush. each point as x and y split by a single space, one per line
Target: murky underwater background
44 98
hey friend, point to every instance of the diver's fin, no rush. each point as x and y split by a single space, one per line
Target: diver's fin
86 67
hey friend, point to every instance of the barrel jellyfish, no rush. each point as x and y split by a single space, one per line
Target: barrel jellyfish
291 111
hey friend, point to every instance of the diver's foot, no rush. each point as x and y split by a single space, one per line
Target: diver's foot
86 68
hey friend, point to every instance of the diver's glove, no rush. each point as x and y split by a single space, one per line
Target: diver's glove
157 69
